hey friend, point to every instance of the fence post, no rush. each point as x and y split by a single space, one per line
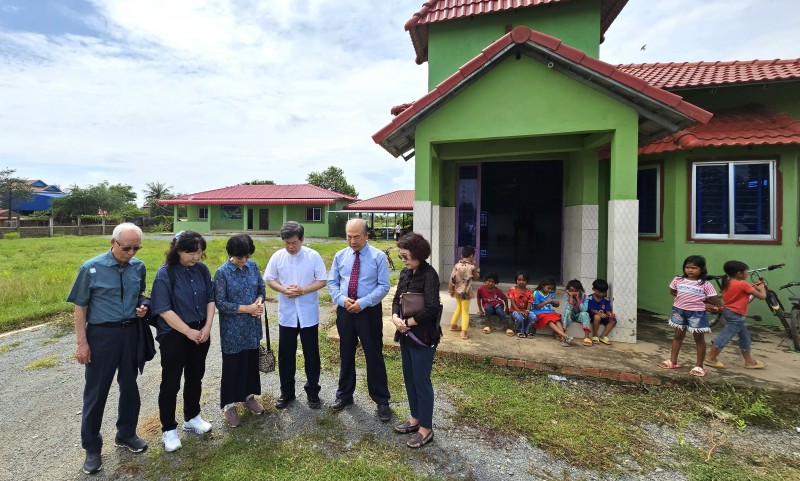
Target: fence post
19 227
50 221
79 225
103 219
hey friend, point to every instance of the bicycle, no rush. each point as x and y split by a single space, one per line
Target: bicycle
793 330
388 252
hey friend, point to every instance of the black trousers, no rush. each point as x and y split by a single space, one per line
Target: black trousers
366 327
287 358
181 357
113 351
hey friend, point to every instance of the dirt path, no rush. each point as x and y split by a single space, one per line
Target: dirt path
40 422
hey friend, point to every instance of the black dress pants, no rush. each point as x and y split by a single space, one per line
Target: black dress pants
181 356
287 358
367 327
113 351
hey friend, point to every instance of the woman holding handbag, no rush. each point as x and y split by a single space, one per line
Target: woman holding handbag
240 296
416 313
183 297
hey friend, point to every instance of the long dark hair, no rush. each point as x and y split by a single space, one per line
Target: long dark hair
698 261
732 268
185 241
547 281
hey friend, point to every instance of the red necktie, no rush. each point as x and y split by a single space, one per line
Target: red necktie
352 287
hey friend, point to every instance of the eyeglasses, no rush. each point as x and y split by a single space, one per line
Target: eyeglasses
127 248
403 257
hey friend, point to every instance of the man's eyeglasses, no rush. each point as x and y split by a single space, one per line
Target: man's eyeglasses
402 257
127 248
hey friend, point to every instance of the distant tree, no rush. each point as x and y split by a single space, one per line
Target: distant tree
113 199
332 178
259 182
13 189
154 192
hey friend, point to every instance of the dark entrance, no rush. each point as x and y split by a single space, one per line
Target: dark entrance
520 217
263 219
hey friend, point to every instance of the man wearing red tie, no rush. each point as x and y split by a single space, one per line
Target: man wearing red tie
358 281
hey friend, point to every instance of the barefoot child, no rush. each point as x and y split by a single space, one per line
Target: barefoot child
600 309
736 294
520 298
492 302
460 287
577 309
544 299
692 291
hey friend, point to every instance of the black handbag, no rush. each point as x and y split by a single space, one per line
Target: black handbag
266 358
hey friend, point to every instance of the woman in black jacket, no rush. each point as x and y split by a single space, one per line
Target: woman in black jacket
418 335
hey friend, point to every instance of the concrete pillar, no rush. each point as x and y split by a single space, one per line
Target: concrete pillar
623 252
579 245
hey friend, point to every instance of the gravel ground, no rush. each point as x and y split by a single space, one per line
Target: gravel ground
40 423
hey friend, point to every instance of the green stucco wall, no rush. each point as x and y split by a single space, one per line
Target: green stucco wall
520 110
453 43
661 259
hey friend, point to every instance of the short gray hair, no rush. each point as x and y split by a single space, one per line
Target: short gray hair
125 227
291 229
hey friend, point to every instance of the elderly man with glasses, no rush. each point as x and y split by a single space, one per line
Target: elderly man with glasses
107 317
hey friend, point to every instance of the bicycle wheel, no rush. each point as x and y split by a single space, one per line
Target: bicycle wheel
794 327
714 318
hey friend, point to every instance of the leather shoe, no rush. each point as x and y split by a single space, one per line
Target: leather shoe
284 401
93 463
134 444
340 404
384 413
314 402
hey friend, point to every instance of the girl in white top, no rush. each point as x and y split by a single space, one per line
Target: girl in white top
692 292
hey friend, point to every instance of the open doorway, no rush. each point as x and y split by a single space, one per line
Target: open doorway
518 210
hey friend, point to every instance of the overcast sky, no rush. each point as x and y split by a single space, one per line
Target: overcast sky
202 94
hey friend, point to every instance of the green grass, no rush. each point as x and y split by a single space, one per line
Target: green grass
36 275
9 346
50 361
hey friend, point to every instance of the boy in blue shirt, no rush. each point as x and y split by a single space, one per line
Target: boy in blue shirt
600 309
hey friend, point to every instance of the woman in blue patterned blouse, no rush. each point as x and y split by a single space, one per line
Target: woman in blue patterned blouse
239 295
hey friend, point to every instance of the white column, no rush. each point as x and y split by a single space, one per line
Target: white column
579 244
623 252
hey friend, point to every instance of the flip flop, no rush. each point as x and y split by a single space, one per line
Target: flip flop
605 340
509 333
715 364
698 371
487 330
454 327
669 365
464 335
757 365
587 341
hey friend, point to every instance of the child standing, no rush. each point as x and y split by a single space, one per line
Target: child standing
736 294
460 287
692 291
577 309
544 299
492 302
600 309
521 299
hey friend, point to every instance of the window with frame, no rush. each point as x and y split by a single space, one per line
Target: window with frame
314 214
648 192
202 213
734 200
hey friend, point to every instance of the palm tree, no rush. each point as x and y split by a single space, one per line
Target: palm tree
157 191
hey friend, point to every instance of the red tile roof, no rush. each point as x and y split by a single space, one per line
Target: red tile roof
657 102
399 200
444 10
708 74
753 125
262 194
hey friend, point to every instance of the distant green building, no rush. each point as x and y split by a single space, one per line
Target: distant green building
261 209
551 161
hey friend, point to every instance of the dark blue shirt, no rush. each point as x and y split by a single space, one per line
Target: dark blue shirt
108 290
234 287
189 300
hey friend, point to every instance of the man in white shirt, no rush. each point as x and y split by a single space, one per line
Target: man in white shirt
296 273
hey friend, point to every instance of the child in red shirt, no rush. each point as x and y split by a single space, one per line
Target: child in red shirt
736 294
492 301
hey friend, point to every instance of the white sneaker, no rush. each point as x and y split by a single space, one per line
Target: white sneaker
198 425
171 440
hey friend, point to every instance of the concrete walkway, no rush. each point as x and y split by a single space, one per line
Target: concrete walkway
630 363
